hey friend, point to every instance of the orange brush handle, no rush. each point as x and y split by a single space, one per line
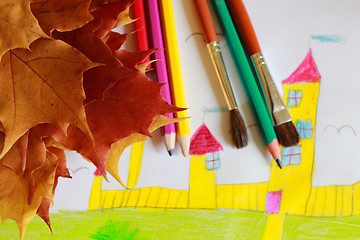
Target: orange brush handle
244 26
207 25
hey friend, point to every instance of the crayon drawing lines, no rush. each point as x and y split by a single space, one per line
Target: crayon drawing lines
327 38
339 129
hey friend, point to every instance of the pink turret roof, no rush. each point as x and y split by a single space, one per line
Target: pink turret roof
306 72
203 142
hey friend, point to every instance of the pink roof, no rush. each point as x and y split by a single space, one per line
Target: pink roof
203 142
306 72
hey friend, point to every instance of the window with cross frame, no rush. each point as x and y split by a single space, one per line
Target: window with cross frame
294 98
291 155
212 161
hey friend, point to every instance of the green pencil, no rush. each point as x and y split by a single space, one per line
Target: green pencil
248 79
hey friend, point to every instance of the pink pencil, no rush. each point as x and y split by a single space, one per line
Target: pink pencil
160 67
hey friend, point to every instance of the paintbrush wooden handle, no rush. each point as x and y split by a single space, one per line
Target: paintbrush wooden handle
244 26
247 34
207 24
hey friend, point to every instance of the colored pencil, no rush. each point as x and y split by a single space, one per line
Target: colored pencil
238 128
284 127
248 79
156 41
175 74
140 25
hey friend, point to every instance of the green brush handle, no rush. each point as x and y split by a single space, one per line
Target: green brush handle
244 70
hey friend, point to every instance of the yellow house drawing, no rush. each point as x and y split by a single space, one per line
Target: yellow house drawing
288 191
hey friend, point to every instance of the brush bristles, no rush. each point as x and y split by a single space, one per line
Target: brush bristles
238 129
287 134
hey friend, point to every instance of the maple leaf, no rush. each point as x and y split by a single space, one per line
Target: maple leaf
115 40
130 106
18 28
132 60
14 194
95 4
97 80
43 85
93 32
64 15
112 15
61 171
28 154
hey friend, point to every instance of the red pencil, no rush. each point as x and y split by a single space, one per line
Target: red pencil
142 40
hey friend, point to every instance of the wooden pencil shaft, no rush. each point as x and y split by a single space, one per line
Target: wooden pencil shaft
140 24
217 59
155 35
175 74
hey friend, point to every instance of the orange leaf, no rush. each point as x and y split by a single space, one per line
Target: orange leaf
28 154
61 171
43 85
14 190
64 15
19 28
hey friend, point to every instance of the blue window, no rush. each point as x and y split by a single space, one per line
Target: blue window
212 160
304 128
294 98
291 155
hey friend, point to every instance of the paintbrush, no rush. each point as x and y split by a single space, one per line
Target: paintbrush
284 127
238 128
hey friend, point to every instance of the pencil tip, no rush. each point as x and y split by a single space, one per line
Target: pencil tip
278 163
171 152
238 129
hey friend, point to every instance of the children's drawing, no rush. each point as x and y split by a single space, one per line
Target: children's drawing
285 204
289 191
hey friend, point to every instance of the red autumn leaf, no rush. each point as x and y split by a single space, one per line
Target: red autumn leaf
97 80
64 15
115 40
43 85
108 15
130 106
19 28
95 4
132 60
92 33
84 40
14 194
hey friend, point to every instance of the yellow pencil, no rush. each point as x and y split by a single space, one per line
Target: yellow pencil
175 74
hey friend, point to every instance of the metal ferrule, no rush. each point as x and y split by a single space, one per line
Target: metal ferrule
217 59
280 113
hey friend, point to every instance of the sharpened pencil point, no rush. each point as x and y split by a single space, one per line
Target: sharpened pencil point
171 152
278 163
